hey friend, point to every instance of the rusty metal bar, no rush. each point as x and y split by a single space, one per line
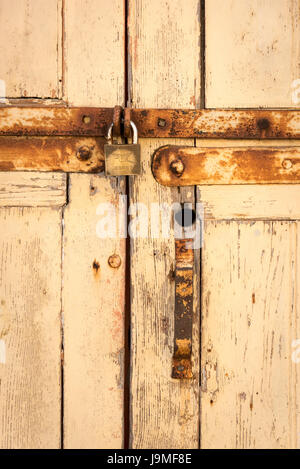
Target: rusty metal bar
187 166
68 154
183 324
158 123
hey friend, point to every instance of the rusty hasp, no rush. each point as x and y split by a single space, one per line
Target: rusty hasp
156 123
187 166
67 154
183 324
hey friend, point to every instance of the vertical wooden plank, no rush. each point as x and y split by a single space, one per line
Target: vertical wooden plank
250 317
30 33
252 52
30 339
93 291
250 384
94 52
164 72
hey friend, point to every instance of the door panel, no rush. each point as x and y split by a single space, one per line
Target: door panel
94 292
250 317
252 52
164 73
30 61
30 310
64 376
249 382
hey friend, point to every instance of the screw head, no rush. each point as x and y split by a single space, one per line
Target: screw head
161 122
287 164
177 167
114 261
86 119
84 153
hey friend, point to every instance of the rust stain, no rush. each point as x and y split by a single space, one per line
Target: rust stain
96 268
227 165
184 260
185 123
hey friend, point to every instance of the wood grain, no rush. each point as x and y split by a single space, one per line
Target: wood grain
250 280
32 189
164 72
252 53
93 305
93 292
250 316
30 304
30 60
94 53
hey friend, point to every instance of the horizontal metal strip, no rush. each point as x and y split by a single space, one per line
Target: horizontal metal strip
158 123
187 166
68 154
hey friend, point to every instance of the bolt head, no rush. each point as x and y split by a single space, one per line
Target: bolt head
287 164
177 167
114 261
84 153
161 122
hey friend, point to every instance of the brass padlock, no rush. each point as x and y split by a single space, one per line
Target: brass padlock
122 159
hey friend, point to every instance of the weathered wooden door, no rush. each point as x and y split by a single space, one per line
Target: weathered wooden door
87 322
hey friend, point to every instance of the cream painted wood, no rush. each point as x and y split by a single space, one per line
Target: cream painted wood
252 53
30 339
93 306
93 297
250 280
30 59
250 318
94 52
22 189
164 72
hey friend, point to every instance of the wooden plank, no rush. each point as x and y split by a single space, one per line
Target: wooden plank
93 304
94 52
164 71
250 202
32 189
250 318
260 54
175 165
30 57
249 279
94 335
69 154
30 338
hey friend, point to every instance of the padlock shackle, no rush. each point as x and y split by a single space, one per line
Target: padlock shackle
134 132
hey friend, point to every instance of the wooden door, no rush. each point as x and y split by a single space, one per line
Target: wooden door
86 344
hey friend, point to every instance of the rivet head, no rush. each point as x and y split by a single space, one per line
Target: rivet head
287 164
177 167
114 261
84 153
161 122
86 119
